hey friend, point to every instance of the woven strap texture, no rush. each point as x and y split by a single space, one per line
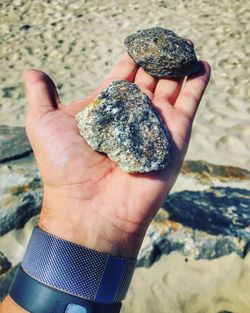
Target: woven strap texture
77 270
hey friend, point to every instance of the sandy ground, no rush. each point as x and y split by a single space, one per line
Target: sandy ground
76 42
174 286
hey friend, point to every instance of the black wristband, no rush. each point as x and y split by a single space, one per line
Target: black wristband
37 297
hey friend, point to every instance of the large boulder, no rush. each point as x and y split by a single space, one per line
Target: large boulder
206 220
20 184
14 143
212 174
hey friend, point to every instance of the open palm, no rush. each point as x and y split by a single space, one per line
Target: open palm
85 188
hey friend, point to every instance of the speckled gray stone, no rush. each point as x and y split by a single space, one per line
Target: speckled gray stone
162 53
122 123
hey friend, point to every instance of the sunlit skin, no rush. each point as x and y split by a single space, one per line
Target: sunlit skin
88 199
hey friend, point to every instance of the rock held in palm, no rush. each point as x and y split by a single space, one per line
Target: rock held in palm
122 123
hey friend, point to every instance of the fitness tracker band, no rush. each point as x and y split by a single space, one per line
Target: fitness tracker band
36 297
59 268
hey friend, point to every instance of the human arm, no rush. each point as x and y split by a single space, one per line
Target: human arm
88 199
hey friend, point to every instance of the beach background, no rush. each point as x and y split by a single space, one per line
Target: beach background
76 43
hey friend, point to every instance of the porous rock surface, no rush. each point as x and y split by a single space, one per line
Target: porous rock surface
162 53
122 123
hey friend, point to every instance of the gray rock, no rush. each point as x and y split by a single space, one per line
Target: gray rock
20 193
162 53
5 265
122 123
5 282
208 173
196 235
220 210
20 184
13 143
204 223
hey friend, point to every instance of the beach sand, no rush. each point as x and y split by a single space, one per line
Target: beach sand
173 285
76 42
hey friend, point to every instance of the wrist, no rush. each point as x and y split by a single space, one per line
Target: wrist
113 244
77 221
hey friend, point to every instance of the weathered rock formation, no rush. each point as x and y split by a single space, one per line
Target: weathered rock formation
20 185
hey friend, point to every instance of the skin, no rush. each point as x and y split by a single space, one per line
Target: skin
88 199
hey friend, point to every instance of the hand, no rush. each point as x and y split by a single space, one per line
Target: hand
88 199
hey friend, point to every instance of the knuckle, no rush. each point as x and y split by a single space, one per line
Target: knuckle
191 95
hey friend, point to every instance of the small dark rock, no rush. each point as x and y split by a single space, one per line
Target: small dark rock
25 27
8 91
122 123
162 53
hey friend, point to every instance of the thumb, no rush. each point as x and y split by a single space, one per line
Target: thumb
41 93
